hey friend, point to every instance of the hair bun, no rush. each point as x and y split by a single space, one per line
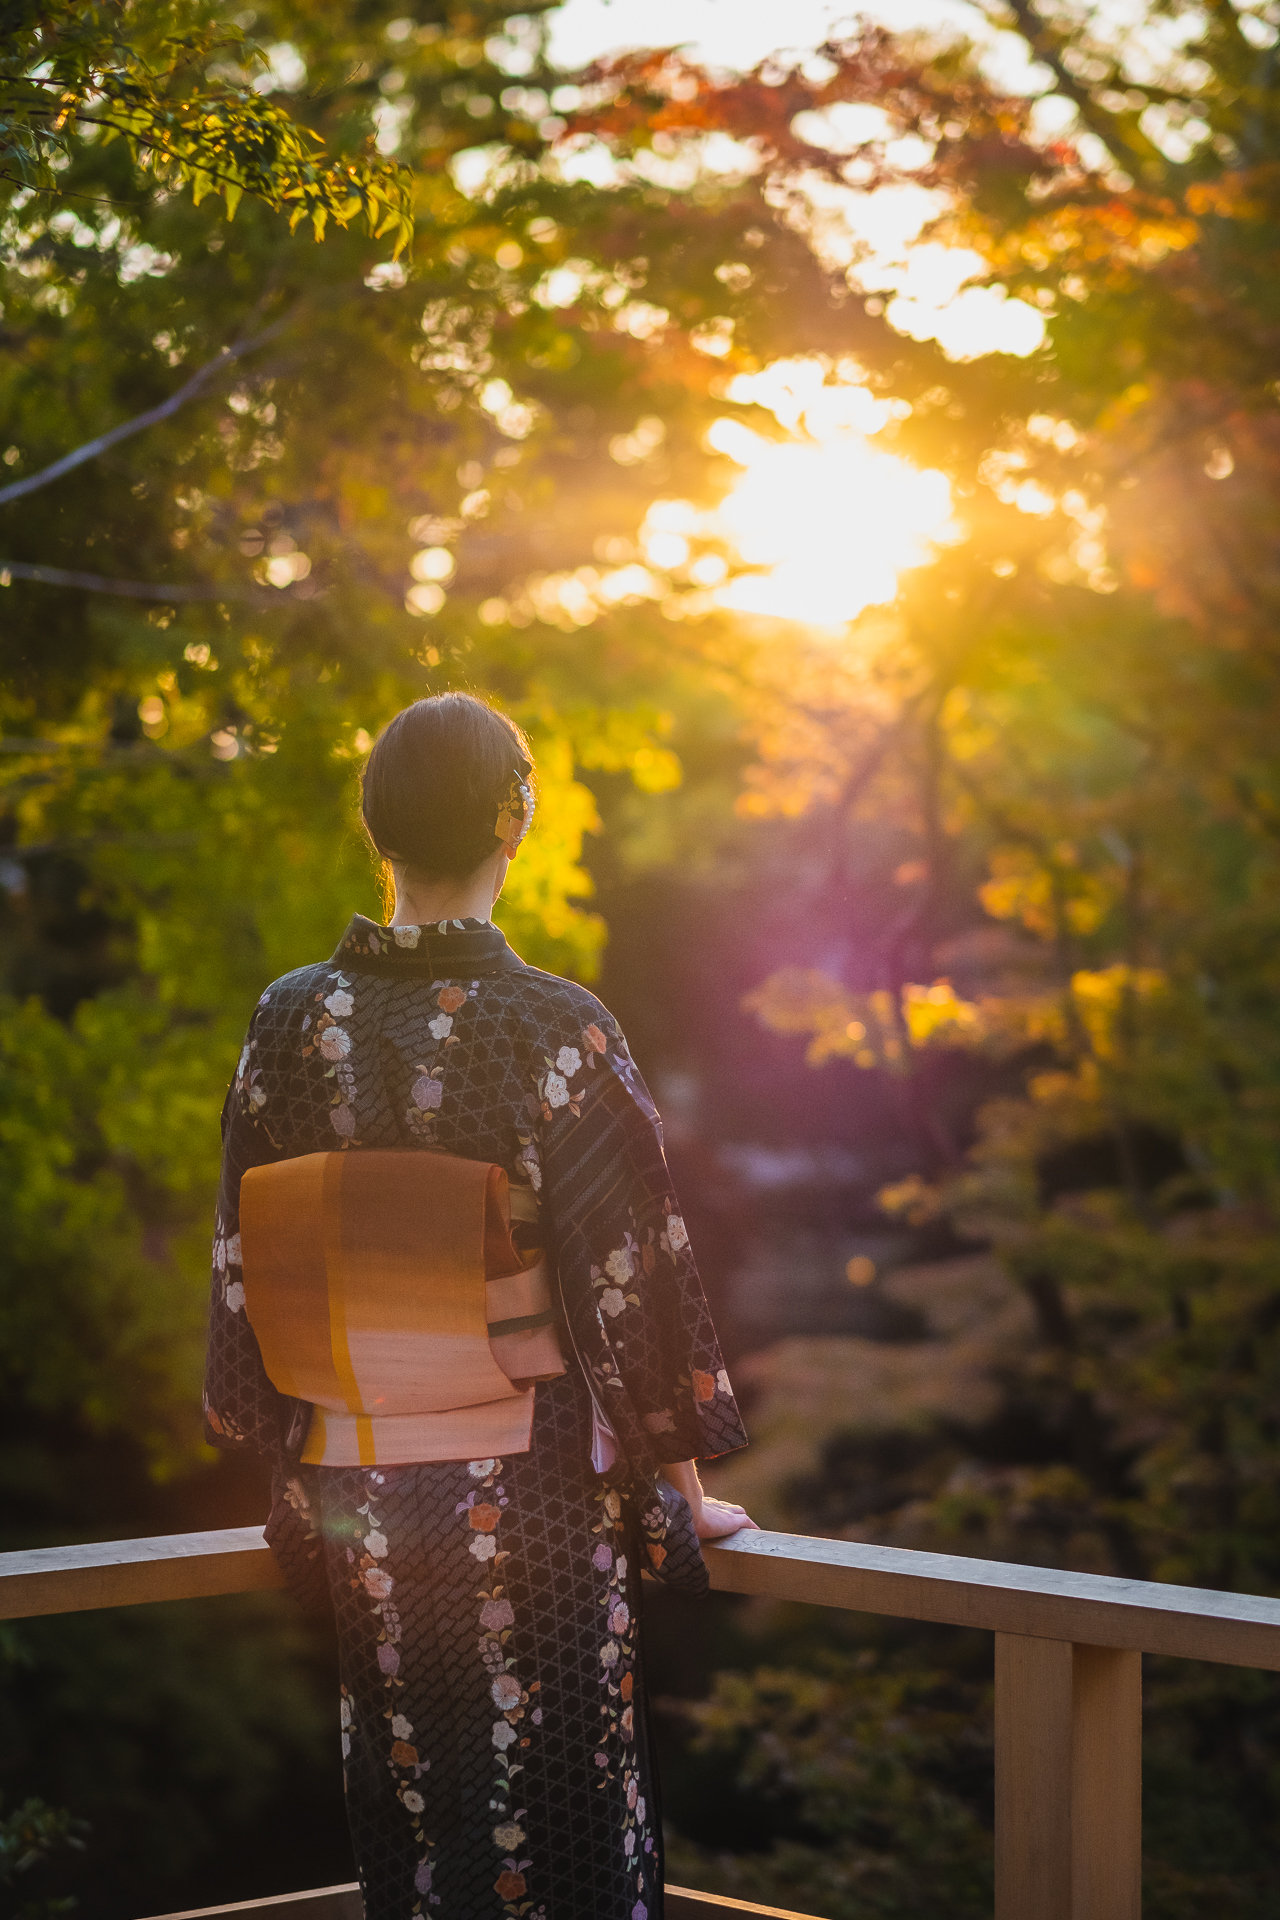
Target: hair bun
439 775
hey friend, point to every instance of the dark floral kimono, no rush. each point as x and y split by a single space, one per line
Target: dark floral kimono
498 1760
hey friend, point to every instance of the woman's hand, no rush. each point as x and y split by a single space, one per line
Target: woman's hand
712 1519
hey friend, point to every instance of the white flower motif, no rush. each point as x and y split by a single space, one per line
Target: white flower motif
335 1044
344 1712
722 1383
610 1653
343 1121
257 1097
508 1836
529 1161
569 1061
629 1842
414 1802
557 1091
640 1809
620 1266
504 1734
677 1232
244 1061
407 936
480 1469
484 1546
401 1728
441 1026
340 1004
346 1746
378 1582
234 1296
220 1254
376 1545
506 1692
612 1302
235 1257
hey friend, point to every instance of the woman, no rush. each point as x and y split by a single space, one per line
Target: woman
498 1758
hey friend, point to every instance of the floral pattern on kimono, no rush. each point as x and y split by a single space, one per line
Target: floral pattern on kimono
492 1708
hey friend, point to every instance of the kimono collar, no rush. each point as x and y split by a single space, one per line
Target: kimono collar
445 949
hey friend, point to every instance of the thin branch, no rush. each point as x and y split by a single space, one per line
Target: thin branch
1047 45
17 489
127 589
67 193
82 842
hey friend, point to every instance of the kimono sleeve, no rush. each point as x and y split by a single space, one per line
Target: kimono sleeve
241 1407
627 1278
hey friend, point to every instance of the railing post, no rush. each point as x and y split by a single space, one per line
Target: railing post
1068 1781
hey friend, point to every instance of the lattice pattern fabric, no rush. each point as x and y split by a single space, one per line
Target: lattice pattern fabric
498 1760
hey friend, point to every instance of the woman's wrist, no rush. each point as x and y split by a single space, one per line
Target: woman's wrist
683 1476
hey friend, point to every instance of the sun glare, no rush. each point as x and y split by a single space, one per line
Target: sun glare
827 521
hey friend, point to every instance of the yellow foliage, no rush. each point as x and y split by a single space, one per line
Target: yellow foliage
912 1200
867 1028
1043 897
936 1014
1101 1000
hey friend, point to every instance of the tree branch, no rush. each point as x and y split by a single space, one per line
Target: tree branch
18 489
128 589
1105 126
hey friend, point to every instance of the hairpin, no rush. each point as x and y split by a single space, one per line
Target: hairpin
516 814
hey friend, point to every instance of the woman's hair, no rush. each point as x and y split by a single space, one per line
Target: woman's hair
437 779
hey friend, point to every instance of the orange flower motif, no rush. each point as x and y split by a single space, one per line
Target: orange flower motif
627 1685
509 1886
484 1519
704 1385
403 1755
596 1042
449 999
656 1554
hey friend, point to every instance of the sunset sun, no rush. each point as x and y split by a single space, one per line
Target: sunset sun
827 521
831 527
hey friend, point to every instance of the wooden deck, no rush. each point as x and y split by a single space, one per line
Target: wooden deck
343 1903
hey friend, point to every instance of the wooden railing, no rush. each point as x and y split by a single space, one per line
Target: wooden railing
1068 1670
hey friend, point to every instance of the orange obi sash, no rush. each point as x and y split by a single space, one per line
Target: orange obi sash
384 1287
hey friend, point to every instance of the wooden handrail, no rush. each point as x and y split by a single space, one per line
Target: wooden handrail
125 1573
1144 1616
1068 1676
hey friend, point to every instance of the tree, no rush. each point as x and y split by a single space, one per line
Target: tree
119 70
1057 752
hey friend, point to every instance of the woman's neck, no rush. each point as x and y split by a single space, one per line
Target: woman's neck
420 901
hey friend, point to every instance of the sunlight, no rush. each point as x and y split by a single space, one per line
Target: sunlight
830 520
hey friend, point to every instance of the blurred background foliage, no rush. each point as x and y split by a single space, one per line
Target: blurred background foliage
995 1249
